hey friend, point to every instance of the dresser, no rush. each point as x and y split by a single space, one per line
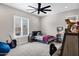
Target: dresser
70 45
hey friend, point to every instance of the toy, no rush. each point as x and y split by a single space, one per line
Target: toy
77 27
73 28
69 25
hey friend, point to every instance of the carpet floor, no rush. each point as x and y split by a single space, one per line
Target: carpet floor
31 49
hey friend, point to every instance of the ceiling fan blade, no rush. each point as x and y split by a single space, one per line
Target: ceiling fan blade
34 11
32 7
45 7
39 7
44 12
47 10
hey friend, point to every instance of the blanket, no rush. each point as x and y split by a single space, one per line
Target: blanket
47 38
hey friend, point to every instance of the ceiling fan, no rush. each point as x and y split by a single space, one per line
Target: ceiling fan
41 9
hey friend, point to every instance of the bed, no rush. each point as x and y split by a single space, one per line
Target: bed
38 36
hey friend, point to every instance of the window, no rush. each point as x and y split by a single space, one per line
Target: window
21 26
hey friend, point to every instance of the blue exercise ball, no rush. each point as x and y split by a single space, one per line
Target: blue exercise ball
4 47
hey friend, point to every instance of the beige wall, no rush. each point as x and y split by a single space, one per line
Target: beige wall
46 24
50 22
6 21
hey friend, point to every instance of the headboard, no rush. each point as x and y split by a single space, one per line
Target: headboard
34 33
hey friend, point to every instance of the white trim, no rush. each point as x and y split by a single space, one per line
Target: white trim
28 26
21 26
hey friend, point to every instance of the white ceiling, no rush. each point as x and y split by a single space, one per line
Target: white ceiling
56 7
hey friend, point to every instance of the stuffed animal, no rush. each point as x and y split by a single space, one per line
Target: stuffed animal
73 28
77 27
69 25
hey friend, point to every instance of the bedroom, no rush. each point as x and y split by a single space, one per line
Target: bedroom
46 23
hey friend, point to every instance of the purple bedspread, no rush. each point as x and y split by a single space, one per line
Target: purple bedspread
46 38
